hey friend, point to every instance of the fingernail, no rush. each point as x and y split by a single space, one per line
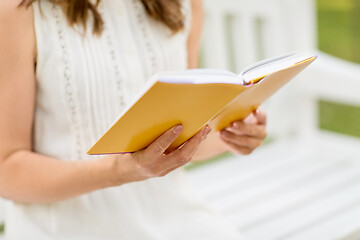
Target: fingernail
206 131
178 129
235 125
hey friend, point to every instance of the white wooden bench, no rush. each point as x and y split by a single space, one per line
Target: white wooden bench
305 184
288 190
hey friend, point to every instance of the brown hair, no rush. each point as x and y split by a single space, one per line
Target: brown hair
77 11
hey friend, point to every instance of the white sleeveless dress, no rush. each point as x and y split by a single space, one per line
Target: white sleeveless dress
83 83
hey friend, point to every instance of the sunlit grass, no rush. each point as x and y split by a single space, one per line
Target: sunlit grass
340 118
335 4
339 28
338 34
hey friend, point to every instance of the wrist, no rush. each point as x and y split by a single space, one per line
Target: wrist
117 167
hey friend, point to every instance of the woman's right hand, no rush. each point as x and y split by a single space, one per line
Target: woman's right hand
155 161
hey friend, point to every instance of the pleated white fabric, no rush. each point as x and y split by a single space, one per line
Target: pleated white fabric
83 83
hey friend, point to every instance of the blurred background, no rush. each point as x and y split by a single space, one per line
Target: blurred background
329 26
338 28
333 27
338 24
304 183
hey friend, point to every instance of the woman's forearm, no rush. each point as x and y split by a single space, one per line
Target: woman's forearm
29 177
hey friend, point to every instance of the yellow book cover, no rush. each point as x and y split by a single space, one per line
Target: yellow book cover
195 98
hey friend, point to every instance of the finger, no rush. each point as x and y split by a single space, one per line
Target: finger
162 143
190 147
250 119
240 140
260 116
184 154
241 128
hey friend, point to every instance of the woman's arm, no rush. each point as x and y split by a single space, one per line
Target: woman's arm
242 136
193 44
29 177
24 175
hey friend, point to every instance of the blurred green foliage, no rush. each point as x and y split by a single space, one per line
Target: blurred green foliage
339 28
339 35
339 118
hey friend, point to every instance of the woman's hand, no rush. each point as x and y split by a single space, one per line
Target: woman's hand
155 161
245 136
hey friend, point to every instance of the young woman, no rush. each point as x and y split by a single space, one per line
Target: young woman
67 68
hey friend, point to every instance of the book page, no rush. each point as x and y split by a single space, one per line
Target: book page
266 67
200 76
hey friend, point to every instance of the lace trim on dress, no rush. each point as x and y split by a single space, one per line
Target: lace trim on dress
68 86
145 35
118 76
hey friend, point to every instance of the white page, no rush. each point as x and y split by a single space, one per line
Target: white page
273 65
200 76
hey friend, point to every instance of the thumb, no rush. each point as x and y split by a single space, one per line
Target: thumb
250 119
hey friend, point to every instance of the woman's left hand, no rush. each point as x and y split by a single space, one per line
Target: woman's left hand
245 136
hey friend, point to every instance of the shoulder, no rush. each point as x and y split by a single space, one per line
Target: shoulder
10 11
196 6
197 10
16 28
196 3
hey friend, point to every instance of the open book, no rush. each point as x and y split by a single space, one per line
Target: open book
195 98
